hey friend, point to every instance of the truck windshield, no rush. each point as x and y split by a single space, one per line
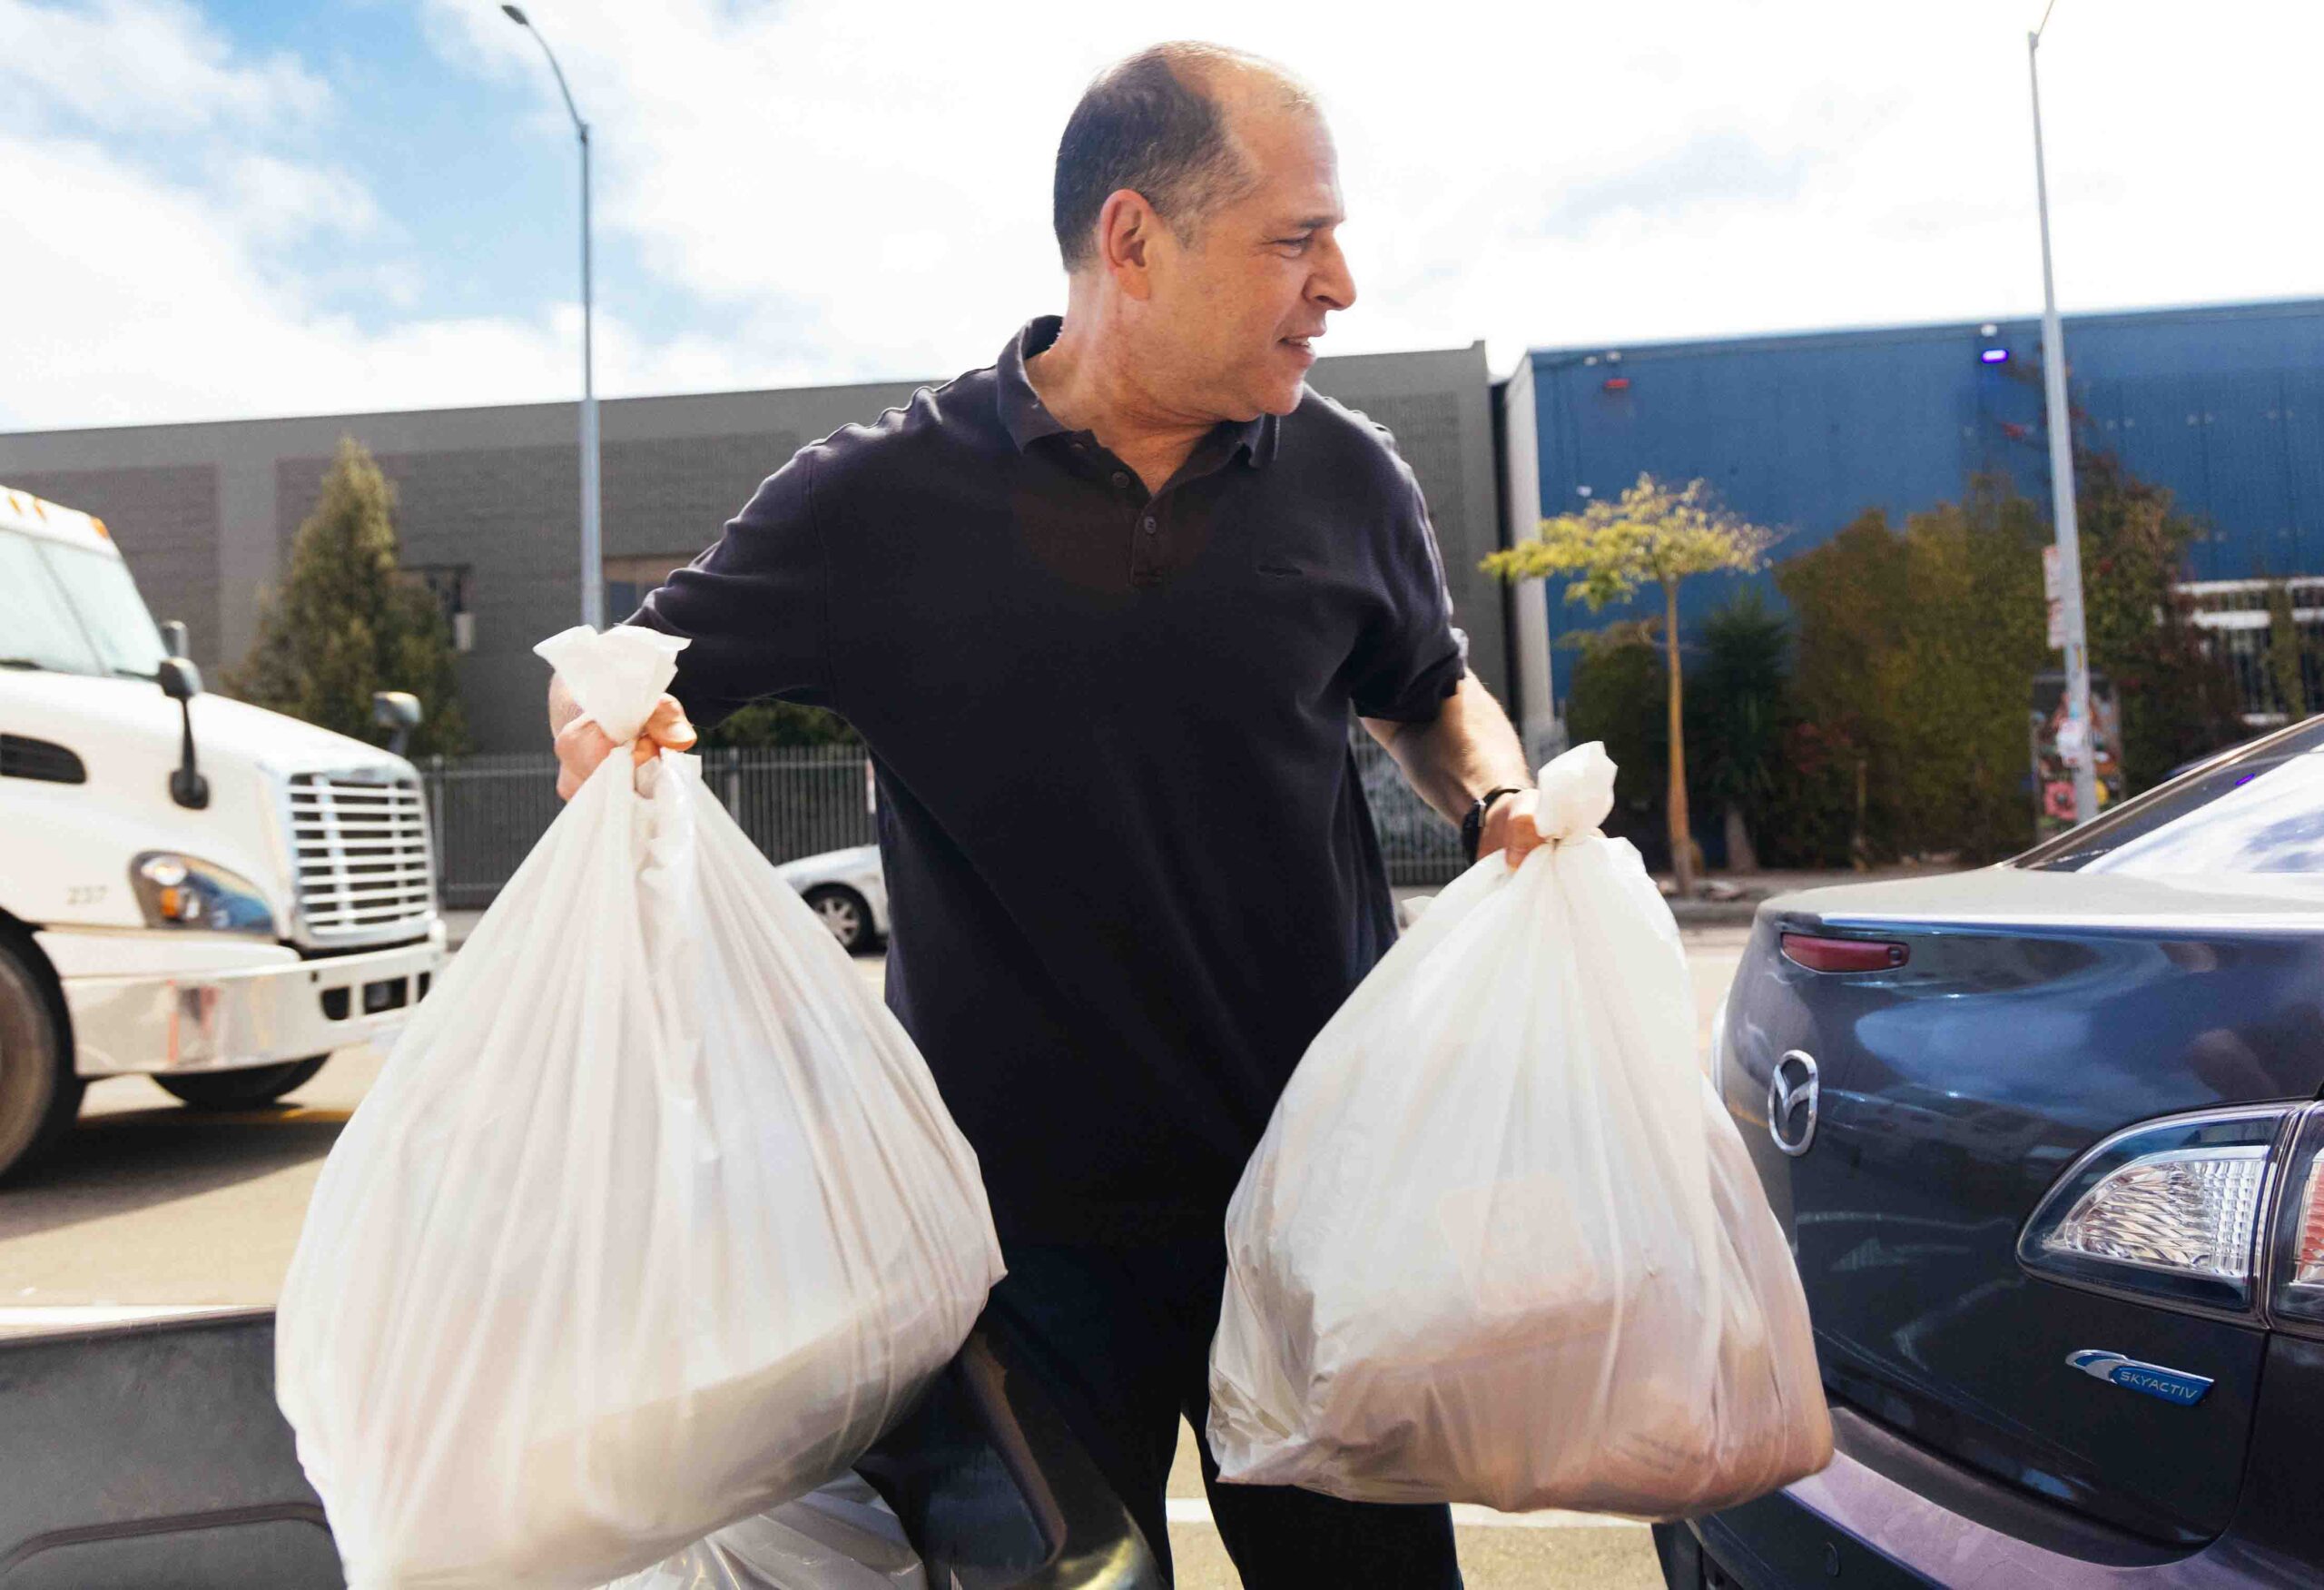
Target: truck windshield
73 611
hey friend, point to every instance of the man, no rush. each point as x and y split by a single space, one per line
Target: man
1100 612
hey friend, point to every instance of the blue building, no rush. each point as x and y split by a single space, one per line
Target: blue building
2223 404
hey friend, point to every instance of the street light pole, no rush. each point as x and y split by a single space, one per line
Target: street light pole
2082 757
593 562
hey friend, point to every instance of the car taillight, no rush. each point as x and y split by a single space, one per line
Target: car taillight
2298 1292
1818 953
2308 1235
2171 1210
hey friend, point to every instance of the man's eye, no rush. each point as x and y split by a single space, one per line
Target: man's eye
1297 242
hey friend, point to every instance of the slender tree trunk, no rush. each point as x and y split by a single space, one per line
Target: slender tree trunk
1682 843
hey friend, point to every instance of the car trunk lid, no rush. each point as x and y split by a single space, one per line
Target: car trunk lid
2034 1014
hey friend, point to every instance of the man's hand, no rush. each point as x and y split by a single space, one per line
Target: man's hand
581 745
1508 827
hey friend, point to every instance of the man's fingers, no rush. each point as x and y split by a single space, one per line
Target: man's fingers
666 729
584 742
668 725
581 745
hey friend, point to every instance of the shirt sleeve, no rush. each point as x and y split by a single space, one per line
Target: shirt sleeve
1412 658
754 606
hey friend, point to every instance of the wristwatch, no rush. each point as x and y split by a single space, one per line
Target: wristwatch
1472 827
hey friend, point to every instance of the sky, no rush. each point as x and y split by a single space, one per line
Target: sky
242 209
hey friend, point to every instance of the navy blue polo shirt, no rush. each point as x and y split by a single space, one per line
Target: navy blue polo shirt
1128 860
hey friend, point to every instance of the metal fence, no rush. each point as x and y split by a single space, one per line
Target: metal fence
488 812
2233 616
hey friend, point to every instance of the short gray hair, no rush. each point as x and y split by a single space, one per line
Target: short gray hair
1154 123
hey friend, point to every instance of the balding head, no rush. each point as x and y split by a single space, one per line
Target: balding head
1162 123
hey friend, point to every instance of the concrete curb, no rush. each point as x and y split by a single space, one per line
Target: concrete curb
1714 913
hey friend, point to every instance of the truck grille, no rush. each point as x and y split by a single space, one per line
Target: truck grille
361 844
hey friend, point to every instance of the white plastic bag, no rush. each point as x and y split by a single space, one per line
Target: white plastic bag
840 1537
653 1219
1500 1243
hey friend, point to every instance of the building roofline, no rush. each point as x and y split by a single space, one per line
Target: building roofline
567 405
538 406
1923 330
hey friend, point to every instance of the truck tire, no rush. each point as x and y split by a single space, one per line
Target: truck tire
242 1090
39 1094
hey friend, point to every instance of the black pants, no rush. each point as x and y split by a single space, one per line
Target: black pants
1119 1339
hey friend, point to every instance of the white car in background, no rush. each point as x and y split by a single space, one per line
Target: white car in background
848 890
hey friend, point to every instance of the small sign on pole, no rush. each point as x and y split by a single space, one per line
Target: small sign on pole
2053 595
2063 747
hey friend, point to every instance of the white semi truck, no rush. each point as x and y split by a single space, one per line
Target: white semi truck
190 888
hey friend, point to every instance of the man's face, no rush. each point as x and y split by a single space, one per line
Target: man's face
1228 320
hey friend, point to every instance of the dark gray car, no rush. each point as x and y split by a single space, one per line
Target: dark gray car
2046 1140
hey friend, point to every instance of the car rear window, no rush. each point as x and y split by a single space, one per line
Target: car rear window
2260 809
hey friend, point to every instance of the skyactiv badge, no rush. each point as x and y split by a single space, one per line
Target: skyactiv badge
2174 1385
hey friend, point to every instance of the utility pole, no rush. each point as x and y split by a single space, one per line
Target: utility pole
2082 747
593 561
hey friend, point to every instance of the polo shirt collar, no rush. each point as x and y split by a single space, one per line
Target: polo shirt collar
1028 420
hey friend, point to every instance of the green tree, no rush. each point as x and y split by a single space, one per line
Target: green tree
1742 706
1848 598
1614 694
2179 697
1655 533
780 723
345 623
1918 649
2287 653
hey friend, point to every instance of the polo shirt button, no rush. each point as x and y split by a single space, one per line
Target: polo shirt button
1149 526
1120 479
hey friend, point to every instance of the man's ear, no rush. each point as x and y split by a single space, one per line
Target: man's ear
1127 228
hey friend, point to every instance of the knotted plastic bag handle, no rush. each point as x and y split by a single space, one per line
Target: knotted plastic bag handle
1576 792
617 677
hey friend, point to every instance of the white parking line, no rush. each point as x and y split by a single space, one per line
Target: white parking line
1465 1515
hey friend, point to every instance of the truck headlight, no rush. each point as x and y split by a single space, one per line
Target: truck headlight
181 891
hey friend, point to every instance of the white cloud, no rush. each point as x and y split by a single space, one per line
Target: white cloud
155 303
154 279
876 182
829 192
273 201
143 67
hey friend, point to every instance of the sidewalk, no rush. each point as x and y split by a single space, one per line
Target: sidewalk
1732 899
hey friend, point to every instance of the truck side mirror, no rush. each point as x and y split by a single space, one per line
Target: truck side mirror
173 640
181 681
400 711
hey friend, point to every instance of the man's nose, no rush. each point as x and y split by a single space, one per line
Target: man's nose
1334 284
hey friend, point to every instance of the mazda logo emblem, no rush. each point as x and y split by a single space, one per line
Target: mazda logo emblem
1793 1094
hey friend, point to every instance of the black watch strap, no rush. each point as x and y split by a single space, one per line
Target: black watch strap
1473 826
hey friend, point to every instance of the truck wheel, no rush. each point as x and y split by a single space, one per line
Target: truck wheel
39 1094
845 912
242 1090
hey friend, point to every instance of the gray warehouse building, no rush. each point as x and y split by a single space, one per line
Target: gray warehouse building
489 515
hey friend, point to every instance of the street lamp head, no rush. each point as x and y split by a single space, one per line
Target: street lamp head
516 13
